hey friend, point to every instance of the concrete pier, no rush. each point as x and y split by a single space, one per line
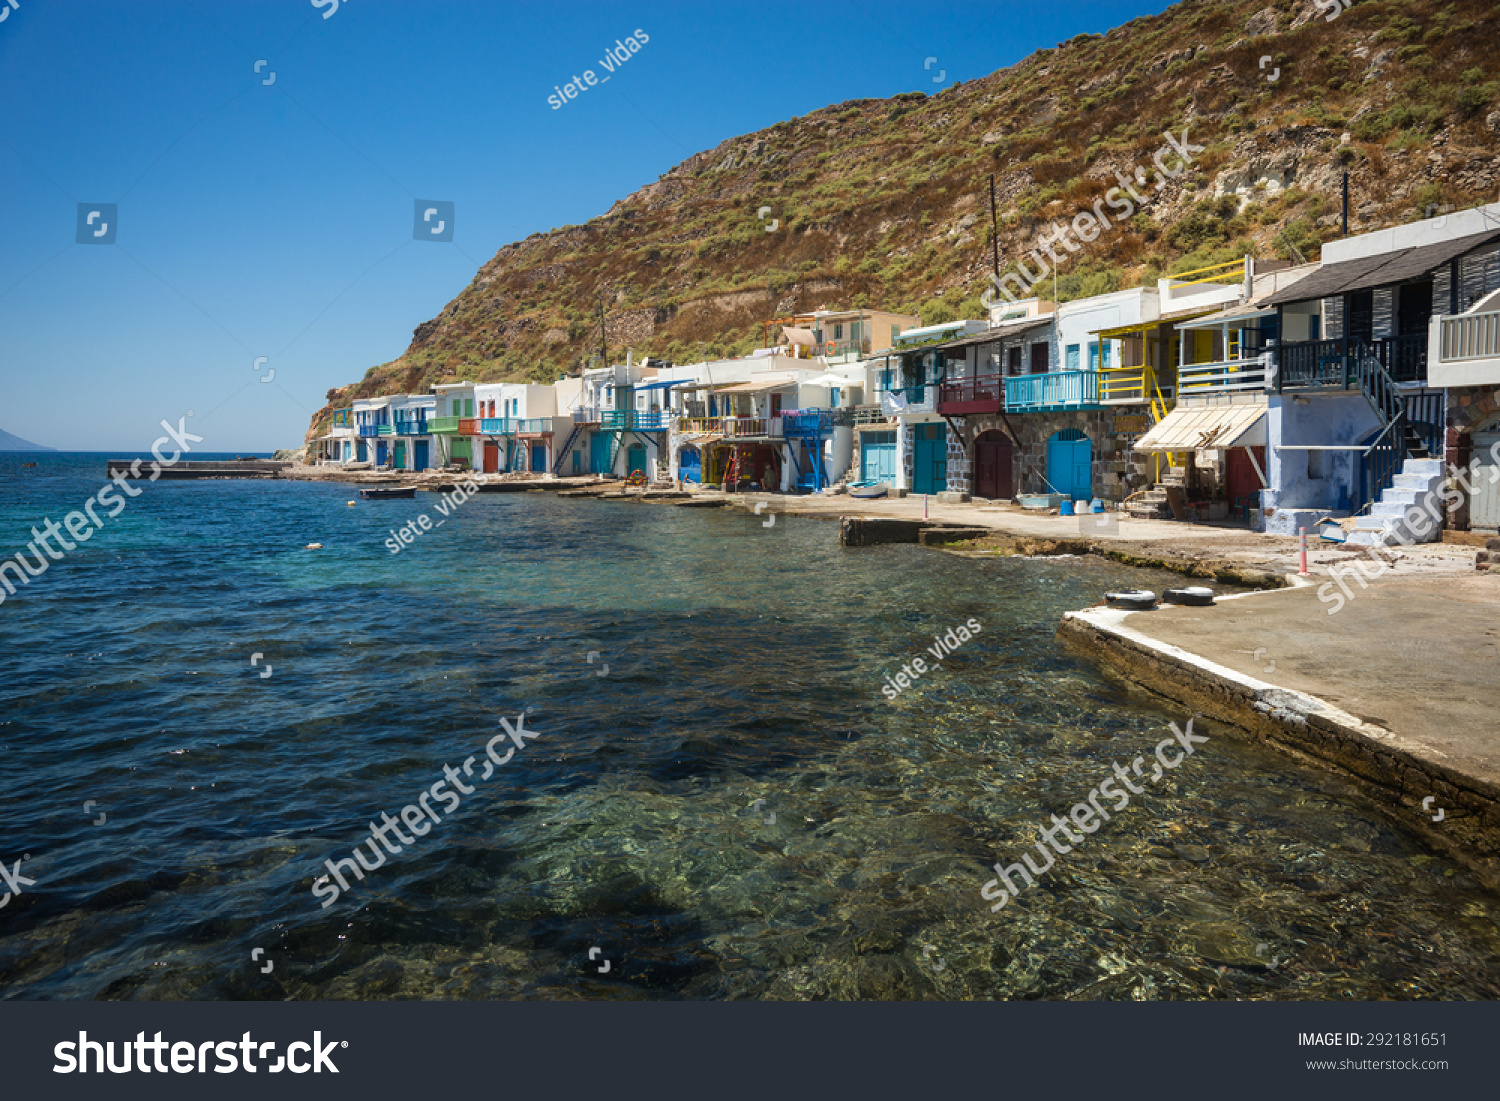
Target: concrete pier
233 468
1396 691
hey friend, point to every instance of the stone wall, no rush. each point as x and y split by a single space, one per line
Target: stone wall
1118 471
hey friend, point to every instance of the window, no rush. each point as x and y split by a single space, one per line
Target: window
895 333
1071 360
833 397
1015 361
1040 357
838 331
468 407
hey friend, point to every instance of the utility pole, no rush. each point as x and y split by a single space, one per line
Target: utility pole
994 232
603 348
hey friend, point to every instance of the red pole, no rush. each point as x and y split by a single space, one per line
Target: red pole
924 506
1303 571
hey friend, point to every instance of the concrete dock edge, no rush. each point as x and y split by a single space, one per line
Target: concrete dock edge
1396 772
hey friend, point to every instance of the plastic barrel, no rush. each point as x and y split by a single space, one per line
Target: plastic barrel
1065 509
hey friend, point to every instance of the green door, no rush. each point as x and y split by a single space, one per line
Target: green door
929 473
637 458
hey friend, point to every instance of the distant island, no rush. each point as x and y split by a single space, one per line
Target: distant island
15 443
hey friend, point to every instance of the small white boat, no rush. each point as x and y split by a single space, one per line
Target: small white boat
868 491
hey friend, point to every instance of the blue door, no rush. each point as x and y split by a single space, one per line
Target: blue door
421 455
1070 465
929 472
599 453
539 458
877 457
690 465
380 453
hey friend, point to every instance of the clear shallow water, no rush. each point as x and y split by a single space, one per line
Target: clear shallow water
745 664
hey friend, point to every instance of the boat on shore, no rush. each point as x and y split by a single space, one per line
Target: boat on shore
868 491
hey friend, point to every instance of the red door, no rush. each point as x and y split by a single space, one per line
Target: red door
1240 478
491 457
992 466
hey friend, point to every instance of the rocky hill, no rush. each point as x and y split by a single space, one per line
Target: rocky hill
885 202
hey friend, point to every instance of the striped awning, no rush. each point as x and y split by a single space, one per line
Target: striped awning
1208 428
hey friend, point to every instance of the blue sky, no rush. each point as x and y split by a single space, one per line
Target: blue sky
276 219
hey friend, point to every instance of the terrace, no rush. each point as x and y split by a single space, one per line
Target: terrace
1051 391
1336 362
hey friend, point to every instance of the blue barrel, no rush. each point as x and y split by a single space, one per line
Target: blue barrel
1065 509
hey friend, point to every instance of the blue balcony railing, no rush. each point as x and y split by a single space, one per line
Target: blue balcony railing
496 426
808 422
651 420
369 431
1053 390
411 428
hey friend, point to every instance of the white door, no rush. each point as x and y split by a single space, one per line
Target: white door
1484 509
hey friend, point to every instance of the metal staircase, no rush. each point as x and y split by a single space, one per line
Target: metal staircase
566 447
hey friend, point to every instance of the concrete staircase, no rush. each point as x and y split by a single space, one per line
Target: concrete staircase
1420 483
1152 505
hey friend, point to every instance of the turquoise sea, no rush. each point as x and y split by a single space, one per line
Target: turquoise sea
719 801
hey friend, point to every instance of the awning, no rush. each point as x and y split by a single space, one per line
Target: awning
1386 269
761 387
995 335
798 336
834 380
1119 332
656 385
1232 316
1208 428
702 440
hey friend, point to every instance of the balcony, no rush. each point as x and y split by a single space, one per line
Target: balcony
386 430
752 428
869 414
369 431
588 414
651 420
442 426
615 419
531 426
1239 376
1128 385
699 426
1465 350
1053 390
411 428
809 422
843 350
971 394
495 426
468 426
910 399
1335 363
